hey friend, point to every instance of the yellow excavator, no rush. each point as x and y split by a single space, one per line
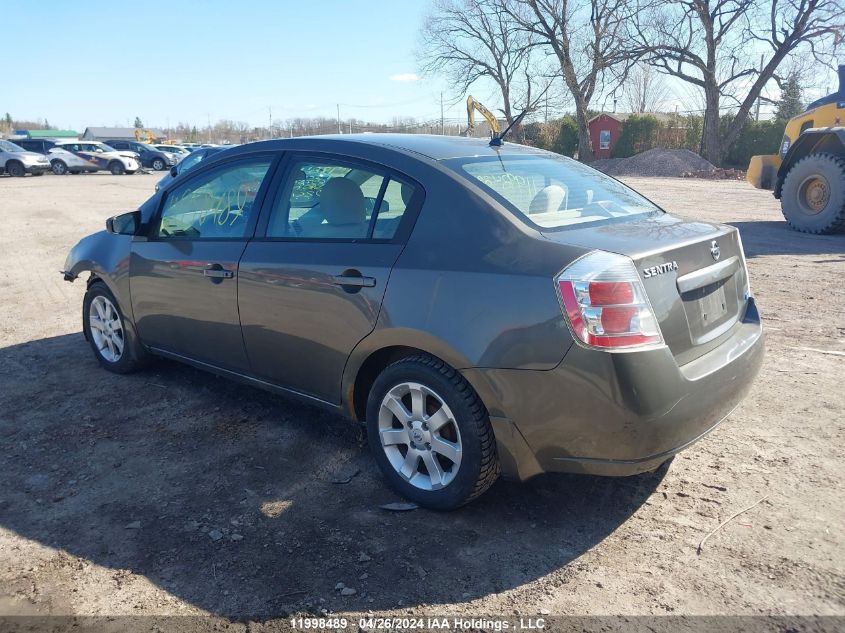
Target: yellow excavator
144 136
808 173
472 106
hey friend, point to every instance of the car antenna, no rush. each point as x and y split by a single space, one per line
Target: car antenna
499 139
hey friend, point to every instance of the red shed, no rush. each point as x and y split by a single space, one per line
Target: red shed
605 129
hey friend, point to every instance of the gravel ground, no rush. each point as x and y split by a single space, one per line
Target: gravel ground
175 492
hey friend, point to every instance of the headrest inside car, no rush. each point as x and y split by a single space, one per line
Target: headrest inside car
342 202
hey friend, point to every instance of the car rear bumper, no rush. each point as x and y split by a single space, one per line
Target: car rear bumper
616 414
37 169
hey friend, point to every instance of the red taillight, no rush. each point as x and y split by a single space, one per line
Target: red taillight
606 304
608 293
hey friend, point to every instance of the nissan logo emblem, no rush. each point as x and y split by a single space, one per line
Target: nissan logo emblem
714 250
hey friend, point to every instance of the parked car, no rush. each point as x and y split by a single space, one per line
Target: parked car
61 160
483 309
149 156
177 150
101 156
187 163
16 161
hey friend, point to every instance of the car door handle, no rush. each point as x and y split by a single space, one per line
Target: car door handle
218 273
357 281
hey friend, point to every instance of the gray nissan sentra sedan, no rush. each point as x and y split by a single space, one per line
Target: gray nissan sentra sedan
484 309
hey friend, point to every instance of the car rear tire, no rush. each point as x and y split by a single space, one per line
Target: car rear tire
159 164
15 168
117 168
813 196
430 434
113 341
59 167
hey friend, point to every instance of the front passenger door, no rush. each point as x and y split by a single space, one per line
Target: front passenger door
184 278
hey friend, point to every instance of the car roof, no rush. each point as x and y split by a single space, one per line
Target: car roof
432 146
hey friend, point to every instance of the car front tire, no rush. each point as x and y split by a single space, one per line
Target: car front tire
16 169
159 164
59 167
430 434
116 168
113 341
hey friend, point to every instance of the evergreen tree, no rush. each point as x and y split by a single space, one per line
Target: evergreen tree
790 99
138 122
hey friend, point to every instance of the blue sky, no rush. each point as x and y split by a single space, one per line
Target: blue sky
103 63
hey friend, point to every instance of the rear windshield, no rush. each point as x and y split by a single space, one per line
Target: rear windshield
552 192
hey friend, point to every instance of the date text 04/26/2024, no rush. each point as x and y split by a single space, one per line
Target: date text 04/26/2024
422 623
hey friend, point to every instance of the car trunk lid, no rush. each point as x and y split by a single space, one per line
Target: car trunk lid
693 273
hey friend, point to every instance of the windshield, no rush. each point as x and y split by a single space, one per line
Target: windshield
6 146
550 192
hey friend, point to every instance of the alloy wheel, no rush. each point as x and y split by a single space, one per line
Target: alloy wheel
419 436
106 328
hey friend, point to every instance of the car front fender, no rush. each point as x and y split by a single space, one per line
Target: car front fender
106 256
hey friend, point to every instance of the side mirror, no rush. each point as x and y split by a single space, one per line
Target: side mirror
174 172
125 223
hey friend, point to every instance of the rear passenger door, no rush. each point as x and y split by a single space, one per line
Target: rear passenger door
312 281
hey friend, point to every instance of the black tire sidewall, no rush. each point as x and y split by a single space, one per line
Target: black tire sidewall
460 489
116 168
15 169
128 361
62 168
158 161
830 168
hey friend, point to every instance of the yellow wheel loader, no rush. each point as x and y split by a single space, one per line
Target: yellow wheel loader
808 174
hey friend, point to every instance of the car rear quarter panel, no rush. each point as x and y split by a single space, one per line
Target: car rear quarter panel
473 286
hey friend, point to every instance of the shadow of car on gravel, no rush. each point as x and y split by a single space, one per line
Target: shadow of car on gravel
772 237
227 497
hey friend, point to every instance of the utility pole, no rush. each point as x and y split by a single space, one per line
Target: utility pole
339 131
441 113
208 117
757 109
270 120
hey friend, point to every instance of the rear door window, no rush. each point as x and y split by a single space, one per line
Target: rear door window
338 201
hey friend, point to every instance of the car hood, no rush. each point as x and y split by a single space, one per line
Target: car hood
31 157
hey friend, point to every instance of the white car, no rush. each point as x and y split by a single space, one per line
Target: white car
16 161
102 156
176 151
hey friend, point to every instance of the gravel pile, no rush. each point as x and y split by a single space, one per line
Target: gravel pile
673 163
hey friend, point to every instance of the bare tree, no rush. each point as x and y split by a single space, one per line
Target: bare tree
472 40
716 46
587 39
644 90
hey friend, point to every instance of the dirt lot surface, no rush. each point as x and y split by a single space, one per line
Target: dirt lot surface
175 492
